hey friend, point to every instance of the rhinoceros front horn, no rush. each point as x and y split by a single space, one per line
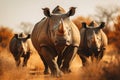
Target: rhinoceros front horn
61 27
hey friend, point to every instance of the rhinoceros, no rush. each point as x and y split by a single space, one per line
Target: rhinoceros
19 47
93 42
54 35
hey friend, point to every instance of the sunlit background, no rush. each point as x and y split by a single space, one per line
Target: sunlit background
15 12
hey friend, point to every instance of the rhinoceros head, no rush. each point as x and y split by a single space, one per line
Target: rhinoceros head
21 42
60 25
93 36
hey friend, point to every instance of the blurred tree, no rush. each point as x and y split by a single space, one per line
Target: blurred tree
117 31
78 20
113 36
26 27
117 24
107 14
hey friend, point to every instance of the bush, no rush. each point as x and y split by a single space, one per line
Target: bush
5 36
102 71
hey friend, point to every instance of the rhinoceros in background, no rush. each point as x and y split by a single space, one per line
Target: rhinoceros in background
93 42
54 35
19 47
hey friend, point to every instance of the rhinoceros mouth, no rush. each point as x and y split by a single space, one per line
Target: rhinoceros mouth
62 42
95 49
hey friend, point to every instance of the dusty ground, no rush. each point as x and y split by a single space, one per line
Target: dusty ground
34 69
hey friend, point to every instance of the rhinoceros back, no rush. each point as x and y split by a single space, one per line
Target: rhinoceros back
12 45
40 34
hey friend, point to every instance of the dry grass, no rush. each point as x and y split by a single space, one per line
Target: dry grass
102 71
8 70
105 70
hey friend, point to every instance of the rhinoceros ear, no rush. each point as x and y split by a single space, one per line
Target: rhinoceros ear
46 12
91 24
28 36
71 12
84 25
102 25
16 36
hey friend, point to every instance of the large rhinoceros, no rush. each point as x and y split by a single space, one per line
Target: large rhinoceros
54 35
19 47
93 42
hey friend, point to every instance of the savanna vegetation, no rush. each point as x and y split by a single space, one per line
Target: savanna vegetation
5 36
107 69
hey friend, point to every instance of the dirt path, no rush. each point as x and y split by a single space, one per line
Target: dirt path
38 74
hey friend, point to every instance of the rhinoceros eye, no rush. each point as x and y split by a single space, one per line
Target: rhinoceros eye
56 26
99 38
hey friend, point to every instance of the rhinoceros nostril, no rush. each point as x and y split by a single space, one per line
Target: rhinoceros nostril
61 41
56 41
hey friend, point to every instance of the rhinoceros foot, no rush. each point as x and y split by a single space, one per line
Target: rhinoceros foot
65 70
57 74
46 72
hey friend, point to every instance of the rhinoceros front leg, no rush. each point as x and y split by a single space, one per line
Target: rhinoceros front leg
83 56
26 57
17 58
83 59
100 55
46 71
18 61
60 58
48 55
69 55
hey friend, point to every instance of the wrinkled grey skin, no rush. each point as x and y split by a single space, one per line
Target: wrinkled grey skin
19 48
52 35
93 42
